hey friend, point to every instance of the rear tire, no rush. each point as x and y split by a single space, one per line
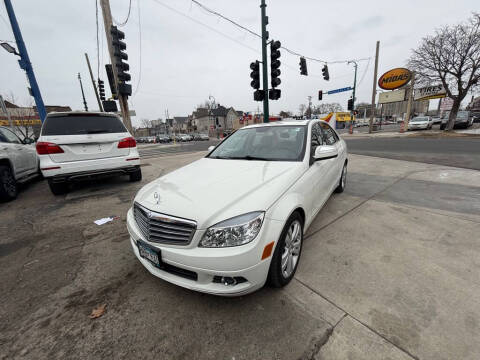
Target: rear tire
343 180
58 188
8 184
136 176
286 256
442 127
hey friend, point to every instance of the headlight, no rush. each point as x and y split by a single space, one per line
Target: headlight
236 231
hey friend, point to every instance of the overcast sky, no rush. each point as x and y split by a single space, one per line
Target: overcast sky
185 58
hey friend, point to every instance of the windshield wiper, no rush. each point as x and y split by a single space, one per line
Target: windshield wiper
249 157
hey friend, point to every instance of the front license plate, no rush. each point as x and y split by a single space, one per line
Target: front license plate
149 253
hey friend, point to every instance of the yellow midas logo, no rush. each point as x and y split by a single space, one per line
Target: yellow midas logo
394 78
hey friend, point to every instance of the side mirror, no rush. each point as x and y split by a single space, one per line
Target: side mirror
210 148
28 141
325 152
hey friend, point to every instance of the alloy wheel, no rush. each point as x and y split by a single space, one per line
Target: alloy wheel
8 182
291 250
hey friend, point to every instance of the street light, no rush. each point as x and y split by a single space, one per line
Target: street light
9 48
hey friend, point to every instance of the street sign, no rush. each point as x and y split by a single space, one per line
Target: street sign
339 90
430 92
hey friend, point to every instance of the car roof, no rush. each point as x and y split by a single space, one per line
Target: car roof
80 113
283 122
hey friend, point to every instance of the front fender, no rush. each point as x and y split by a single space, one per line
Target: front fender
285 206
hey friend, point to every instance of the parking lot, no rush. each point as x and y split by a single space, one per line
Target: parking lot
389 271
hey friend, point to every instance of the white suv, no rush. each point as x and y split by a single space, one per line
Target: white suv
83 145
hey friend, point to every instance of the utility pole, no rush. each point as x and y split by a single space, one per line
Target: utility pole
309 107
374 90
100 107
25 63
410 103
83 94
352 112
122 99
266 116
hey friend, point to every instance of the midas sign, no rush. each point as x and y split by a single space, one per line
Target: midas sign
394 78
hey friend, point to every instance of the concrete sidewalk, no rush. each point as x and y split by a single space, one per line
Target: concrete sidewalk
389 270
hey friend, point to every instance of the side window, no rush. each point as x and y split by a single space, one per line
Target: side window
317 138
329 136
9 136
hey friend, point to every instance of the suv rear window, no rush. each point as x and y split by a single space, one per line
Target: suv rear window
79 125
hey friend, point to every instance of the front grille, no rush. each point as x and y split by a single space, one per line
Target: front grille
163 229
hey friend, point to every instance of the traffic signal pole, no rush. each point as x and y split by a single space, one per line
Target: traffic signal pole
353 95
100 107
266 116
122 99
24 61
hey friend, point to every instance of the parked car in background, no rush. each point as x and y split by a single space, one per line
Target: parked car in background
162 138
18 163
184 138
463 120
83 145
201 137
281 173
420 123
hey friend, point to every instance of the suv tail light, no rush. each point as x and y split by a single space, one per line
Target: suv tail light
46 148
127 143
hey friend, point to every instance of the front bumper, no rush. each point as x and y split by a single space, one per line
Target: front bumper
208 263
417 127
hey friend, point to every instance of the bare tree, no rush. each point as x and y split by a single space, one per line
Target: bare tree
145 123
24 123
451 57
302 108
325 108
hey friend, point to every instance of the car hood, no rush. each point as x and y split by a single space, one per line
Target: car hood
211 190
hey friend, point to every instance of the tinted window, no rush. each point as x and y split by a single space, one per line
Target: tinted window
8 136
272 143
329 136
78 125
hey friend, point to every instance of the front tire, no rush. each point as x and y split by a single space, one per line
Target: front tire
343 180
287 252
58 188
8 184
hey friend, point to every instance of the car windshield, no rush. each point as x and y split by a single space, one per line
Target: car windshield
462 115
82 124
420 119
268 143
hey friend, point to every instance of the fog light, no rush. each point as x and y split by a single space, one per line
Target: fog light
229 281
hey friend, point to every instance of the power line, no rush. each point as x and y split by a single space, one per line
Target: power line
205 25
123 23
213 12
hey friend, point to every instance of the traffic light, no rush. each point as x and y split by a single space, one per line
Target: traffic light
326 75
101 89
320 95
119 55
111 80
274 94
350 104
259 95
275 64
303 66
255 75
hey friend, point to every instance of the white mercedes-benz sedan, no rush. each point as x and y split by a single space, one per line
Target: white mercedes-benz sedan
228 223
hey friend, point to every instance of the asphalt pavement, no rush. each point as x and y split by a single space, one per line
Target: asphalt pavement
460 152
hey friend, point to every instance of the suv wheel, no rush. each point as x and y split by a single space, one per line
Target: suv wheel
136 175
8 184
58 188
287 252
